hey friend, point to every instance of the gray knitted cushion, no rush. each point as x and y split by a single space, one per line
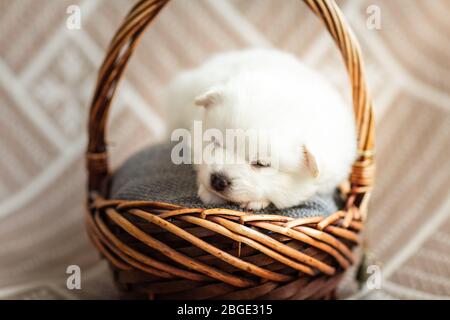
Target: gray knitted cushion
150 175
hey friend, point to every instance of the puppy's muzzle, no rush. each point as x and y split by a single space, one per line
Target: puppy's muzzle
219 182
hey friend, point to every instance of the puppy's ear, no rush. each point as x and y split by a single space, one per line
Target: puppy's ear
310 162
208 99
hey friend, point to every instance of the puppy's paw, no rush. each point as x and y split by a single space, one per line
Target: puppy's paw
208 197
255 205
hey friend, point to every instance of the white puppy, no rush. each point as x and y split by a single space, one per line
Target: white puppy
311 140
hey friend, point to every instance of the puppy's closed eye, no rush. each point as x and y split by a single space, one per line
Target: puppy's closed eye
217 142
260 164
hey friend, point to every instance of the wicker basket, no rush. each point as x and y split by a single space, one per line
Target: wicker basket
163 251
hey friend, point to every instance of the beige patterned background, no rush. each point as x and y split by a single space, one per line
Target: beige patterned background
47 75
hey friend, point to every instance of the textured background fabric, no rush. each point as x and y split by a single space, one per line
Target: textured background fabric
47 75
150 175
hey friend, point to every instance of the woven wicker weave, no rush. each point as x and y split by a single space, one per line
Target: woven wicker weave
164 251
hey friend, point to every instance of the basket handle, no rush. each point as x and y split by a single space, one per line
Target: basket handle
126 39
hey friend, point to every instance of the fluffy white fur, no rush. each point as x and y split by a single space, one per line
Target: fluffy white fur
312 130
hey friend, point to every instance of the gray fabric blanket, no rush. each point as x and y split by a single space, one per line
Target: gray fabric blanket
150 175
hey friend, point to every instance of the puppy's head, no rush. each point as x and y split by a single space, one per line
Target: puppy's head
251 152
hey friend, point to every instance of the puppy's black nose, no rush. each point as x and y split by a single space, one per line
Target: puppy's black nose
219 182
